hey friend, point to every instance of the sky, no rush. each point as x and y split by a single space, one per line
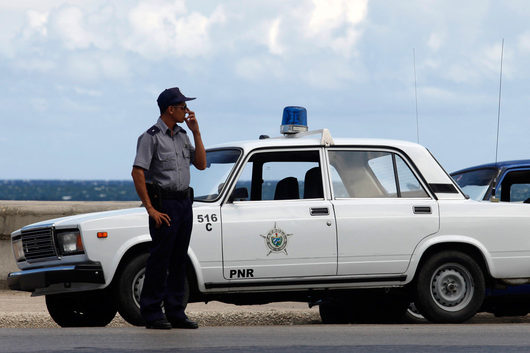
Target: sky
79 79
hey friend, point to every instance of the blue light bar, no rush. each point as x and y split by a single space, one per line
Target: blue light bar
294 120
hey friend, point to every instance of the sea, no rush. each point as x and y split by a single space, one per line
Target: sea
68 190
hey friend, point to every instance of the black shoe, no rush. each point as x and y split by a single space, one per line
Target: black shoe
186 323
160 324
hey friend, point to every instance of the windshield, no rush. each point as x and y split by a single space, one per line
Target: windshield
209 183
475 183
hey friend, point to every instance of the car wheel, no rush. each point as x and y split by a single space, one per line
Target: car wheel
128 288
413 315
82 309
450 287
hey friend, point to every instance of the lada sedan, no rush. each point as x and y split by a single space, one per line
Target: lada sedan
299 217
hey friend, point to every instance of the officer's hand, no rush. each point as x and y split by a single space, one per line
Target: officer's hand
191 122
158 217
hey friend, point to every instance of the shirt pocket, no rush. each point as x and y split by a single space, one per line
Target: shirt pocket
168 160
186 153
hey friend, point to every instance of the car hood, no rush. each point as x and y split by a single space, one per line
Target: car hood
93 217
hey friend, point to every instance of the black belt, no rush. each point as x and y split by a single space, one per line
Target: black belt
177 195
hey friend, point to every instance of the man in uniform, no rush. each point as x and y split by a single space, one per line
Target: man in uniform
162 165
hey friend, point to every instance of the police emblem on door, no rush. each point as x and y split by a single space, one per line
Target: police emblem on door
276 240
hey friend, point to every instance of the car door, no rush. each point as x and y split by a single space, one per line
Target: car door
382 209
514 185
279 223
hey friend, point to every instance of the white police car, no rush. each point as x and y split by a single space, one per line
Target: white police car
367 225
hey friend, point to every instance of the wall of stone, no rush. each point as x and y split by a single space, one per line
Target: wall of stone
17 214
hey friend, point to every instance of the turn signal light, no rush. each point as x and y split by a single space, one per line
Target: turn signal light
102 234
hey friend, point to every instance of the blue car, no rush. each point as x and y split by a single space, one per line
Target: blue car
507 181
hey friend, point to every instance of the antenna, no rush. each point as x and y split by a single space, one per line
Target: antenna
416 95
499 109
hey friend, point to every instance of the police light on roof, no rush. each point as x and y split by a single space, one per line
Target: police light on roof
294 120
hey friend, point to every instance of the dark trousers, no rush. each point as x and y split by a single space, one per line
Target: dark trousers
165 272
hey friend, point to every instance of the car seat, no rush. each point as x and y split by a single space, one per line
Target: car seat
313 184
287 189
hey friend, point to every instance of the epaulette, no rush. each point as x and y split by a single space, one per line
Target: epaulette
153 130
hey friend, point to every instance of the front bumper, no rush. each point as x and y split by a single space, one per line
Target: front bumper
29 280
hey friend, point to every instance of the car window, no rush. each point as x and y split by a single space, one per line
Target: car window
372 174
286 175
520 193
515 187
475 183
339 190
383 169
409 185
209 183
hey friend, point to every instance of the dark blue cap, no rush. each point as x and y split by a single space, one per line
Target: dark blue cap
171 96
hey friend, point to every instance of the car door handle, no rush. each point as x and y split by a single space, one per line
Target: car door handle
319 211
422 210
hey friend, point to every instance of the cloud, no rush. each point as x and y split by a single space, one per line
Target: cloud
523 42
162 29
91 67
37 5
37 22
254 68
329 15
87 92
274 46
153 29
435 41
80 29
68 25
335 23
284 42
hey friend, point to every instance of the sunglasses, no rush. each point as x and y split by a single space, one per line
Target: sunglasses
183 107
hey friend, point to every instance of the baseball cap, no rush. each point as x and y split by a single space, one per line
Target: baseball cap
171 96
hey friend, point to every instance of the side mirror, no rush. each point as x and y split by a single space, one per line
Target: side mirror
493 198
239 194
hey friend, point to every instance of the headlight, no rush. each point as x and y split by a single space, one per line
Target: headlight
70 242
18 249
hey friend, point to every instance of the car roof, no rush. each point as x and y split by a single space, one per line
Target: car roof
315 140
498 165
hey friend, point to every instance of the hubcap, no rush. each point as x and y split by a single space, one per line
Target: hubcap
452 287
137 285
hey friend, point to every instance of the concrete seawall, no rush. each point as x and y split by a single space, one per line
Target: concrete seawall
17 214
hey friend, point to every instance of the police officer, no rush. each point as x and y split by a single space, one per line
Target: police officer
162 166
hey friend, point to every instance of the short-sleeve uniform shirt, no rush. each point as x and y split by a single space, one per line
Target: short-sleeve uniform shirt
166 158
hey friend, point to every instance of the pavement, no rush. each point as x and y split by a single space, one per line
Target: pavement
20 310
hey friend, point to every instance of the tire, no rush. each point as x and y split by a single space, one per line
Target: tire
413 315
82 309
128 288
450 287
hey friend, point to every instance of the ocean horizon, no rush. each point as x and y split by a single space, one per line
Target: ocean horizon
67 190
